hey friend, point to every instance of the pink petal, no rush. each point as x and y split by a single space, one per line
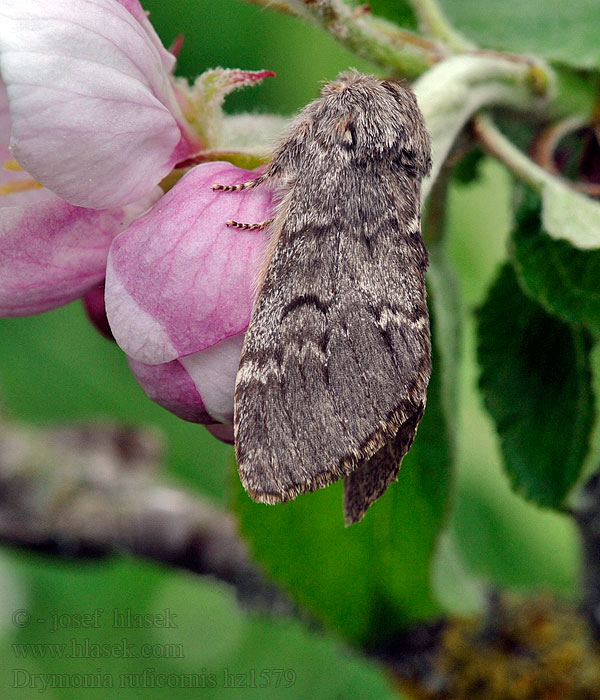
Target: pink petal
4 123
199 387
52 252
93 304
179 280
94 115
6 176
170 386
213 372
135 8
222 432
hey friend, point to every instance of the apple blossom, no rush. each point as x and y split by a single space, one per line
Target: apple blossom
95 114
96 122
179 290
51 252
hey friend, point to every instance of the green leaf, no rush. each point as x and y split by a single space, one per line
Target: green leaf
468 168
535 379
446 331
367 580
574 94
569 215
135 629
562 278
459 590
529 26
398 11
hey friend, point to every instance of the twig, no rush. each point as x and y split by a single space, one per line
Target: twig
92 491
586 513
374 39
495 143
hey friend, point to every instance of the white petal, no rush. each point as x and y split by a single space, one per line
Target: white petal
94 116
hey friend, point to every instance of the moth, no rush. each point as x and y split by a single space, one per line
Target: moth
335 364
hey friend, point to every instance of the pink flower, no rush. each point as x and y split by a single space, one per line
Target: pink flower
51 252
178 291
96 122
95 115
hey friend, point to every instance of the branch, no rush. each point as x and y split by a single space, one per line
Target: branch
586 513
92 491
372 38
496 144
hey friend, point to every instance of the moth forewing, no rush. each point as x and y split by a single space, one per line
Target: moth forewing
336 360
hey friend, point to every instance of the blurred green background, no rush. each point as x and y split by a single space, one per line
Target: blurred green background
55 367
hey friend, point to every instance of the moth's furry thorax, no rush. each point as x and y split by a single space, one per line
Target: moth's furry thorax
369 119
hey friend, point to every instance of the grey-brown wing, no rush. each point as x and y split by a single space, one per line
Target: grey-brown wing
372 477
337 354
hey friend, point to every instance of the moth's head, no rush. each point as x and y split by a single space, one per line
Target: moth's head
376 118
